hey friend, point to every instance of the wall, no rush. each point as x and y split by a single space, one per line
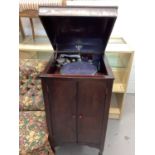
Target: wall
125 26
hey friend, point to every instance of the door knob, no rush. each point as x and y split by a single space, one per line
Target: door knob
80 116
73 116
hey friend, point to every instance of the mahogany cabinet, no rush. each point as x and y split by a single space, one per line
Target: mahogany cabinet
77 106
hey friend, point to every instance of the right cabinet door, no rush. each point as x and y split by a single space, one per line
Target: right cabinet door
91 100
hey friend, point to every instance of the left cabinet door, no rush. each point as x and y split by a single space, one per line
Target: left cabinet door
62 103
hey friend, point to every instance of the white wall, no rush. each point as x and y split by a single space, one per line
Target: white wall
124 27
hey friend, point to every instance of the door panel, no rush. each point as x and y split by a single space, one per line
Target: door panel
62 94
91 96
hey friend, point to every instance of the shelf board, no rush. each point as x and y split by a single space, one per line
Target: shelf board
118 88
114 112
116 40
118 44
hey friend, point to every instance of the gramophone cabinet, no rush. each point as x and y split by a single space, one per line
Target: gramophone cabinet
77 106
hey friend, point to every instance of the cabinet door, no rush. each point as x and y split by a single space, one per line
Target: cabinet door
91 99
62 95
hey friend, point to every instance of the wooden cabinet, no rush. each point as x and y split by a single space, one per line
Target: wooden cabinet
77 107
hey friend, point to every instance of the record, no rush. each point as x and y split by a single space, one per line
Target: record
78 68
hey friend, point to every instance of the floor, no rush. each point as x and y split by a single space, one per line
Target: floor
119 139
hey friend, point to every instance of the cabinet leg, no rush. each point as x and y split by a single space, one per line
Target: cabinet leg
51 144
53 149
99 153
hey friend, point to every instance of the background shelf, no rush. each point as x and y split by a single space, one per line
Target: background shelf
121 63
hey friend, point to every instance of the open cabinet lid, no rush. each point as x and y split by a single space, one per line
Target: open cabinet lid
78 27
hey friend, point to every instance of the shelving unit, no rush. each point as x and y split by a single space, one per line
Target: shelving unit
120 57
